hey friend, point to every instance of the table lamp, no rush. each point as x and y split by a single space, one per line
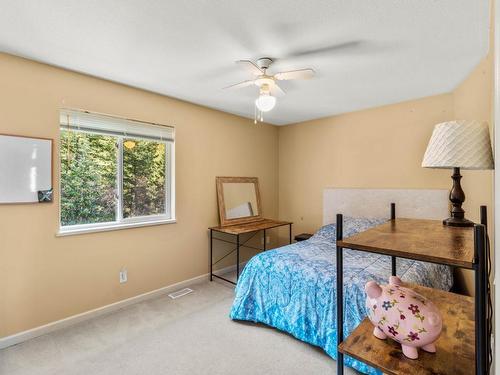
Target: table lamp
454 145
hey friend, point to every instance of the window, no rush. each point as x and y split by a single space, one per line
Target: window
115 173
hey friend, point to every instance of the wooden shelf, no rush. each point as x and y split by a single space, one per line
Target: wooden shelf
426 240
455 347
251 227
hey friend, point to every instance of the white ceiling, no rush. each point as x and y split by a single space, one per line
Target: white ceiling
389 50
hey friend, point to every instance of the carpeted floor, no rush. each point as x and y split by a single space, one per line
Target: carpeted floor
188 336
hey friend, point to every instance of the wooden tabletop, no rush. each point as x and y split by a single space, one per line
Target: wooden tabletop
427 240
251 227
455 346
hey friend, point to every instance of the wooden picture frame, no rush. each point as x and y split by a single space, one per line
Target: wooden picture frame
224 221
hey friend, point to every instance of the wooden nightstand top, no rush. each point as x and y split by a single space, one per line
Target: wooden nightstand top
426 240
251 227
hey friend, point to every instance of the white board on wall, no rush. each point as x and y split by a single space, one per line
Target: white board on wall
25 168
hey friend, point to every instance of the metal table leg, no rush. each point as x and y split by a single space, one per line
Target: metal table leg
211 254
393 258
340 297
481 285
393 266
487 258
265 240
237 257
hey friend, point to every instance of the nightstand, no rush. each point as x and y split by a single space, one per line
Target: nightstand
302 237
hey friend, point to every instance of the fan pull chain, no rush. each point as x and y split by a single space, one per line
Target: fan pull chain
258 115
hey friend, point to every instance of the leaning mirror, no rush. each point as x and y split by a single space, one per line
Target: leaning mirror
239 200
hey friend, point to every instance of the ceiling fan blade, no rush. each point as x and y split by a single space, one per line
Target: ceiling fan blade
240 85
327 49
250 67
295 74
275 90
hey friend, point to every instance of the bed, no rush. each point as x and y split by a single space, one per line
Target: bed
292 288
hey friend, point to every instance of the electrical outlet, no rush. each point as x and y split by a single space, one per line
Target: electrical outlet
123 276
268 240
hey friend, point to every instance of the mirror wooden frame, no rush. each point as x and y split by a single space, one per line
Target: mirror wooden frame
224 222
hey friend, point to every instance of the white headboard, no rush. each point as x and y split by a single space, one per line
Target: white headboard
410 203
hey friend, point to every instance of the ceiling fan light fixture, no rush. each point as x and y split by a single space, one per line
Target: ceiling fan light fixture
265 102
267 84
264 81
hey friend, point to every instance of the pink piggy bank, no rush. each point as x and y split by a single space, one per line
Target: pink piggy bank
403 315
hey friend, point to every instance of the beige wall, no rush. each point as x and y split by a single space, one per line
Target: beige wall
44 278
379 148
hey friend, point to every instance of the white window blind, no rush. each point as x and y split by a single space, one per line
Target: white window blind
115 173
104 124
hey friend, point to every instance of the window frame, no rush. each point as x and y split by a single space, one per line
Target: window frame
131 222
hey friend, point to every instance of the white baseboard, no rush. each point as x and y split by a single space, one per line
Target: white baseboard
229 269
71 320
74 319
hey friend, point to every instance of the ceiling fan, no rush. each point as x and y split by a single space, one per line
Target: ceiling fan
267 84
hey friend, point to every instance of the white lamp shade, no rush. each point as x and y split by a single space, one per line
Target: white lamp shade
459 144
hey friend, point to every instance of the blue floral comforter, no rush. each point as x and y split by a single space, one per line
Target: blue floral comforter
292 288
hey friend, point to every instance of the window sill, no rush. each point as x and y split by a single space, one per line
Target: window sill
110 227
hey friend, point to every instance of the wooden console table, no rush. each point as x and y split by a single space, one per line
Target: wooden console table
239 229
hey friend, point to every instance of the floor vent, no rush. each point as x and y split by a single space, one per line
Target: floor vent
180 293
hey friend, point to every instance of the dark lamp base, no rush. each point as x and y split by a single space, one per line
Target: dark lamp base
457 197
457 222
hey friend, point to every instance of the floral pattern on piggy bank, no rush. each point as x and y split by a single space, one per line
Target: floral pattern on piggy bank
403 315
